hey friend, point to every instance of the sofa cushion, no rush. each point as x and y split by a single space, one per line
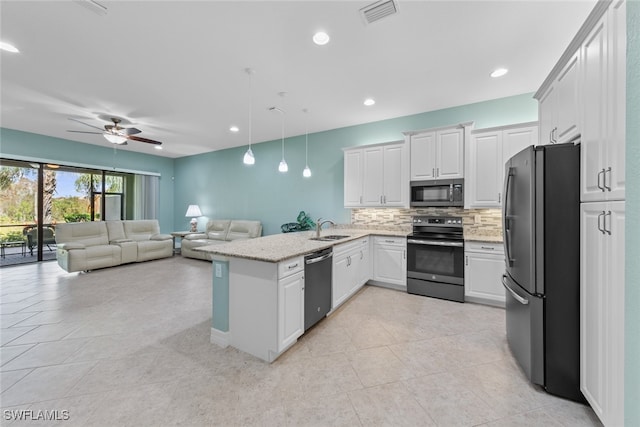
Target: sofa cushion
217 229
239 229
116 231
87 233
141 230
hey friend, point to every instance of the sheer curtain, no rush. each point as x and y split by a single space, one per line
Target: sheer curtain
146 190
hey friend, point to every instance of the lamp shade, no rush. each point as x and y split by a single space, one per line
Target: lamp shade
113 138
193 210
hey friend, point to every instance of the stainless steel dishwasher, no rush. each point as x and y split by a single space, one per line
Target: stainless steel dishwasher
317 286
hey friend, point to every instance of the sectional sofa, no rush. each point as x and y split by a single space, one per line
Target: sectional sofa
219 231
84 246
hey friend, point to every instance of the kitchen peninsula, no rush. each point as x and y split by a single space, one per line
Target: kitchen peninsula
258 285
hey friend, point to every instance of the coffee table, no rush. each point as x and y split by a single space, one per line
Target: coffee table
18 243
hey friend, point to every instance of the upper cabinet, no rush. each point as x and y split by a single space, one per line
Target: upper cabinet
558 106
487 152
437 154
376 176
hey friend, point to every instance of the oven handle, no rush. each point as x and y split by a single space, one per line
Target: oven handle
435 243
518 298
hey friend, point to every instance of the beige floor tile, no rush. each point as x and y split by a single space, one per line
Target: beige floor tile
379 365
7 335
9 353
9 378
9 320
527 419
571 414
335 410
46 333
45 354
389 405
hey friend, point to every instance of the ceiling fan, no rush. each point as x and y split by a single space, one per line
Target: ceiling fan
115 133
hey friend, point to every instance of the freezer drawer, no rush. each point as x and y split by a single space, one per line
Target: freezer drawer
525 328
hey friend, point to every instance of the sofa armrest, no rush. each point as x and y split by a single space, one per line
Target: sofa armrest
71 245
195 236
116 241
161 237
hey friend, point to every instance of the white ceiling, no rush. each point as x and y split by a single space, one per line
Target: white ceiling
175 69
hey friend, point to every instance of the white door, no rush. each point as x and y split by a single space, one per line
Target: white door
352 178
450 154
547 110
485 169
394 187
389 264
341 280
516 140
483 277
568 102
373 176
423 156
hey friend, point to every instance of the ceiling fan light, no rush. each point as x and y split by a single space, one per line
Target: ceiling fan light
283 167
249 159
114 139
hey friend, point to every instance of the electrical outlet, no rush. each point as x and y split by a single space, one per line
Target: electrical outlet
218 270
477 219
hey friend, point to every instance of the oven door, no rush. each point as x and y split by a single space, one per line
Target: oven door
436 260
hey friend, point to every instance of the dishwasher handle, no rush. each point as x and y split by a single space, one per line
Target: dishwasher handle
318 259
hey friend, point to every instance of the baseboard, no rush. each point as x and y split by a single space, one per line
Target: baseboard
220 338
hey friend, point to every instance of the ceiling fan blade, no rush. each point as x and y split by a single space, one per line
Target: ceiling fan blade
82 131
86 124
140 139
130 131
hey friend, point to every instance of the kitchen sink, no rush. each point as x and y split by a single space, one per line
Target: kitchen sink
330 237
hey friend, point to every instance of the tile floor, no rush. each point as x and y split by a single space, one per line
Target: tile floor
130 346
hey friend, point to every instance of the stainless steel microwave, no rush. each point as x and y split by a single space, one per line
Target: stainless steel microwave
441 192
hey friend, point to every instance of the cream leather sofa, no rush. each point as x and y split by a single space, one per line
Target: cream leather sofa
84 246
219 231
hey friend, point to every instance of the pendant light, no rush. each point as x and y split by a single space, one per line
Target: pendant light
282 167
306 172
249 159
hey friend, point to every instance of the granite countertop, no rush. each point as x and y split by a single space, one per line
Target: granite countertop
278 247
481 237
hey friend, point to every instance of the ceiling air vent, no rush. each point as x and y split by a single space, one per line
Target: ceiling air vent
378 10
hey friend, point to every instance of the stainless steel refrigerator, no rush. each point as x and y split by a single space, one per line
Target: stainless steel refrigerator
541 223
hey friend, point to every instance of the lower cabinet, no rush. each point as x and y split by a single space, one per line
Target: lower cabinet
351 269
602 303
290 309
390 260
483 269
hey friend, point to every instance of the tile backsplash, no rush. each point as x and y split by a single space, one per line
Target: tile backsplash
489 224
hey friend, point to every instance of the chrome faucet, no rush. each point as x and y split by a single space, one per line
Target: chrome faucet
320 223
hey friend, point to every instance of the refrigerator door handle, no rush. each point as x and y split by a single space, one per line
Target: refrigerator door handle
507 219
518 298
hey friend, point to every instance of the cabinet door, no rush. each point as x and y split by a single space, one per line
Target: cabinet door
353 178
372 177
390 264
593 302
485 169
483 278
567 86
423 156
395 190
516 140
594 135
450 154
341 280
547 109
364 272
290 309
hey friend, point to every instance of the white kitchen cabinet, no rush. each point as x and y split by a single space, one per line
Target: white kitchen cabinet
290 310
483 270
559 106
602 309
390 260
376 176
488 151
351 269
437 154
603 111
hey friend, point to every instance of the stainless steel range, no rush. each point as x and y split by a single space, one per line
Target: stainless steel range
435 258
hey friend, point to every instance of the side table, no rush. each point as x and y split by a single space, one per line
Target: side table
19 243
181 235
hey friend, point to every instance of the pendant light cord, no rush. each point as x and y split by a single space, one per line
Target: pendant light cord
250 72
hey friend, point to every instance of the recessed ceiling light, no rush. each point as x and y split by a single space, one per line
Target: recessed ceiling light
8 47
321 38
158 147
369 102
499 72
234 129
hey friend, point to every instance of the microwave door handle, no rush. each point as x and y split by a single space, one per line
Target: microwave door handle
451 192
507 219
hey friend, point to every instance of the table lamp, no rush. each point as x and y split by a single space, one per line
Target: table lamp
193 211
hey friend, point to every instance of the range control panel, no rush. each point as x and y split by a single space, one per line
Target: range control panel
447 221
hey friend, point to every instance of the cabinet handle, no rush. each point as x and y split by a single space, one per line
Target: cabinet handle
437 172
360 199
433 172
607 230
551 136
361 255
292 266
466 260
600 215
499 197
380 199
604 181
389 241
348 260
487 248
600 173
404 254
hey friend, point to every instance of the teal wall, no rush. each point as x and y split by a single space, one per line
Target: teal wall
632 255
224 187
24 145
